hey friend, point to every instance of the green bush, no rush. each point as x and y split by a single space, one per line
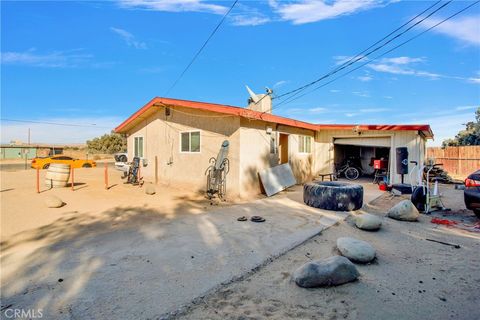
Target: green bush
108 143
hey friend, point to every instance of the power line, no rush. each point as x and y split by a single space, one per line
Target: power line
201 48
55 123
361 57
289 100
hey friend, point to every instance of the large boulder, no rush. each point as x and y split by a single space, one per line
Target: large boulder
150 189
53 201
405 211
355 250
332 271
367 221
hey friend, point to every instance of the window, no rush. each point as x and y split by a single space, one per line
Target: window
304 144
138 147
273 143
190 141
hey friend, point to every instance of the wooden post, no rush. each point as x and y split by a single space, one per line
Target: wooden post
139 171
73 179
38 180
106 175
156 170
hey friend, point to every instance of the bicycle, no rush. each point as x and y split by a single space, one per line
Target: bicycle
348 170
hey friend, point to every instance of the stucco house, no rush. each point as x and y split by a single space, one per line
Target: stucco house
178 137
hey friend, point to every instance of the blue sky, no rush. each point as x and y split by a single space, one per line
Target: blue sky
95 63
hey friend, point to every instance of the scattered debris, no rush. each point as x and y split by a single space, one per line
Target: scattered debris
52 201
356 250
257 219
404 211
367 221
60 280
456 246
443 221
243 218
332 271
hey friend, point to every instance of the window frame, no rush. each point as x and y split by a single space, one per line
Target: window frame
190 141
134 146
302 139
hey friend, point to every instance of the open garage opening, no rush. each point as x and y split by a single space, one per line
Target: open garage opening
372 161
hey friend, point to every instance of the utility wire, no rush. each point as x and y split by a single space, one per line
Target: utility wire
55 123
289 100
201 48
361 57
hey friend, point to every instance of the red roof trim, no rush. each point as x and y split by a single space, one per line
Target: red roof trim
220 108
251 114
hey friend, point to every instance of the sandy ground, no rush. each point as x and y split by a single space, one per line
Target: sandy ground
411 278
119 253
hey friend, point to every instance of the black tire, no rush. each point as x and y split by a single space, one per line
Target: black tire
419 199
86 165
477 213
333 195
46 166
352 173
122 158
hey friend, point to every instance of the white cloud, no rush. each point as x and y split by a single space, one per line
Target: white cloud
466 107
129 38
244 15
307 11
465 29
363 94
403 66
351 114
318 110
474 80
365 78
55 59
47 133
334 90
373 110
402 60
279 83
174 6
246 20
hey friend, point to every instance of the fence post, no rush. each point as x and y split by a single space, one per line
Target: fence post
38 180
156 170
106 176
73 179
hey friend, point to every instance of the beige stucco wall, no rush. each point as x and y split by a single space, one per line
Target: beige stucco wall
255 153
324 148
161 136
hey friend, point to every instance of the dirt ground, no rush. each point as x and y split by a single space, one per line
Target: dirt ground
23 209
119 252
411 278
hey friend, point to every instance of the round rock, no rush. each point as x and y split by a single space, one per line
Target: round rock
404 211
53 201
332 271
367 221
150 189
355 250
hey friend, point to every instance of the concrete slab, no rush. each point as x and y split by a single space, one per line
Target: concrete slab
136 264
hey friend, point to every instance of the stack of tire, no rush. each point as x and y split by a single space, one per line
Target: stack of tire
333 195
